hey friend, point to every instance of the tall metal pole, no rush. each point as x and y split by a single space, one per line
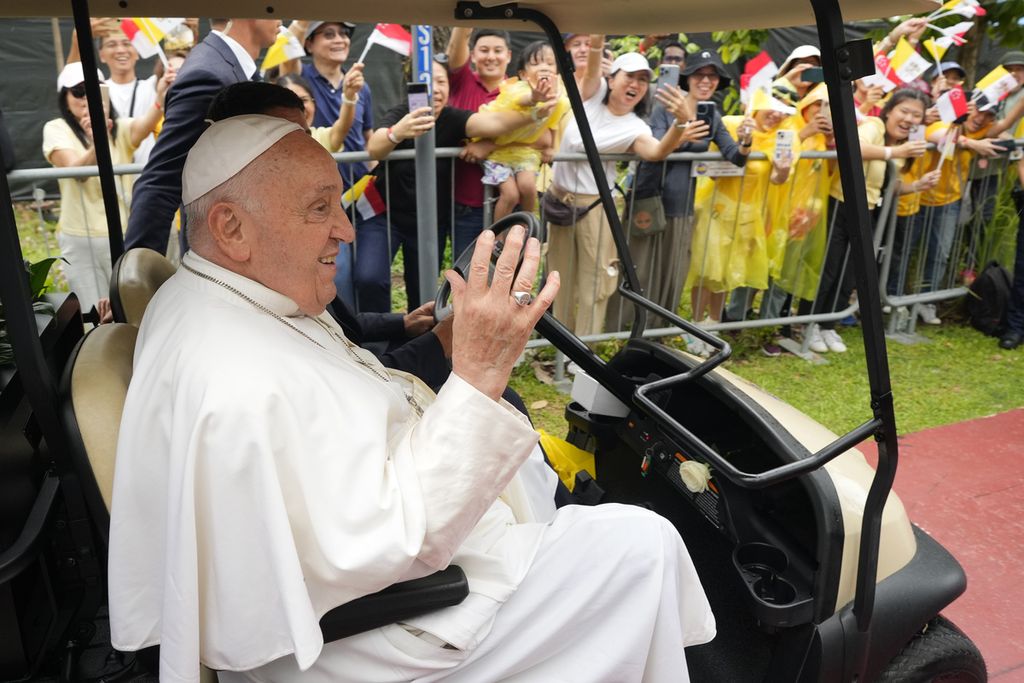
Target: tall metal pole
426 174
80 9
843 62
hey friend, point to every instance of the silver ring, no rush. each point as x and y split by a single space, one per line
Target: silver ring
522 298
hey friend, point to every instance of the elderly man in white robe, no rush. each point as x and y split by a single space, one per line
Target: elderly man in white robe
239 518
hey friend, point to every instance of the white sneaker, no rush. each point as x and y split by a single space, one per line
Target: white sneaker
926 312
696 346
833 341
817 343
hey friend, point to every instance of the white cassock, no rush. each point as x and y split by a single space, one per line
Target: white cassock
267 472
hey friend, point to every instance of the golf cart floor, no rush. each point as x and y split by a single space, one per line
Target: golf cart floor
964 484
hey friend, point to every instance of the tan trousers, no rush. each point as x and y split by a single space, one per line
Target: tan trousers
584 256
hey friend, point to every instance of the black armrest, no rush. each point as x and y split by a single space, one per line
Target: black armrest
396 603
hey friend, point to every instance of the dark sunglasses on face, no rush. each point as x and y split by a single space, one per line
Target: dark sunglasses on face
331 34
77 91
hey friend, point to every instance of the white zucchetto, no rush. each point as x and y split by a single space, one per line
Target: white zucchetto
228 146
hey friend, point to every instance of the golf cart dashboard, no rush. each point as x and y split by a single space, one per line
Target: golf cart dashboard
778 548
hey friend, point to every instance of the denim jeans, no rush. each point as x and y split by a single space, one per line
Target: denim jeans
939 225
904 244
469 222
343 275
1015 314
372 273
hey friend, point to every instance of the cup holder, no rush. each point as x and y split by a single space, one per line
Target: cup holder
762 565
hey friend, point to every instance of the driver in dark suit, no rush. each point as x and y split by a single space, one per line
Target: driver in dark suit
221 59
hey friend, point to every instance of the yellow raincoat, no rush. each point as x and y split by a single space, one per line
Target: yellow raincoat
729 248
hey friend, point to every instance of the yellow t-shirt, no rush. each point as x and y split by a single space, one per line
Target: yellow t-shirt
81 200
322 134
909 204
515 147
871 131
954 169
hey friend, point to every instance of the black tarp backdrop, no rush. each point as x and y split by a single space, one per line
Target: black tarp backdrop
28 93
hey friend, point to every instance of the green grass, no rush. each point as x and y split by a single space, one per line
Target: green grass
958 375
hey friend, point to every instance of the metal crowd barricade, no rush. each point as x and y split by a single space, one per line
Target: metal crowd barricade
968 247
934 254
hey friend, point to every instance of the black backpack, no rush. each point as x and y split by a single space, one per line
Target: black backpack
988 299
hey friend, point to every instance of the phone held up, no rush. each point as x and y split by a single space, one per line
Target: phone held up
783 144
706 112
668 75
815 74
418 96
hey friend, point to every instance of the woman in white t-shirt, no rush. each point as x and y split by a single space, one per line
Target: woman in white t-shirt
67 141
584 253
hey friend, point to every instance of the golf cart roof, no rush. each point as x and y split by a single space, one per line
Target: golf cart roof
581 16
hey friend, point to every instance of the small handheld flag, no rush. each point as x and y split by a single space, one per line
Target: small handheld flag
952 105
392 36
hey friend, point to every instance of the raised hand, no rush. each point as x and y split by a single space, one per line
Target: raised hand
490 327
414 124
353 82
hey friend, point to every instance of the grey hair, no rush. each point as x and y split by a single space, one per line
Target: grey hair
236 189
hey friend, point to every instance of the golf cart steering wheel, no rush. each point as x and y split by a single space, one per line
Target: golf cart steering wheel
500 228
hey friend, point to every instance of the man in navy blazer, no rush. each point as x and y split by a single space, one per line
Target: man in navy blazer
220 60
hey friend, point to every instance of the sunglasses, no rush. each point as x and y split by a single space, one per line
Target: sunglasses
331 34
77 91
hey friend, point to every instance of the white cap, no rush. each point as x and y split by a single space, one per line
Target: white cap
631 62
228 146
801 52
72 74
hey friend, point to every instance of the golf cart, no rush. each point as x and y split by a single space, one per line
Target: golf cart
813 570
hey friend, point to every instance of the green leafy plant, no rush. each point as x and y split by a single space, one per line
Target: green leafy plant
38 282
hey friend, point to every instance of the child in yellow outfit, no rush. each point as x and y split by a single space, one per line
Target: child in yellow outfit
513 165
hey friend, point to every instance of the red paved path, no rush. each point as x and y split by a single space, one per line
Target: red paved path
964 485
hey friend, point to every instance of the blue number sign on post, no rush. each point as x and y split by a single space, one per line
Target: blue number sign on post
426 168
424 49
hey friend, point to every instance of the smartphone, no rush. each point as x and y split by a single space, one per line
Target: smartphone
813 75
418 96
105 97
668 75
916 134
1007 145
706 112
783 143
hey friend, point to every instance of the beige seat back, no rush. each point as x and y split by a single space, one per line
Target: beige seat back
98 383
136 277
100 372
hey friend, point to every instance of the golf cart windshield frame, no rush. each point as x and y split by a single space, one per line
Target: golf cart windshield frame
842 62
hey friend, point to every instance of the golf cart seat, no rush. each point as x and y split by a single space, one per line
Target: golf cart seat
93 391
136 276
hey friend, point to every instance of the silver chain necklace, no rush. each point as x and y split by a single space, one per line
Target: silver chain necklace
348 346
